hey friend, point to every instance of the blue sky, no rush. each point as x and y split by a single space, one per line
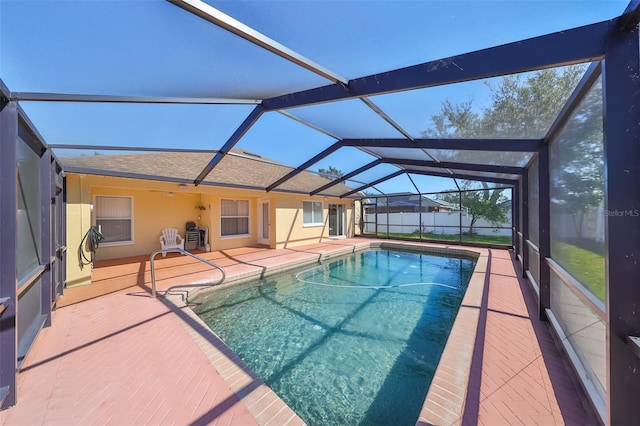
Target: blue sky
153 48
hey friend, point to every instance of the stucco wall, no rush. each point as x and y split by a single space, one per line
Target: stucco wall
158 205
212 202
78 222
154 207
290 230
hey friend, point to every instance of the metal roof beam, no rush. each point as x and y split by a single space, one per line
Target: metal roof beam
216 17
130 148
235 137
128 175
577 45
121 174
500 145
5 95
421 172
464 177
347 176
305 165
4 90
489 168
630 17
414 184
65 97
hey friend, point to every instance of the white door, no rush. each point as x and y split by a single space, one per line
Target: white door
263 222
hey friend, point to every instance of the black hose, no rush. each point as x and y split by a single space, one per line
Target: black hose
93 238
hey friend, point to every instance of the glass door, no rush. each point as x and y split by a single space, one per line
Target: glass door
337 220
263 223
369 219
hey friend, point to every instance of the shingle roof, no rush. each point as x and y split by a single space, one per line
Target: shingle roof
238 169
412 200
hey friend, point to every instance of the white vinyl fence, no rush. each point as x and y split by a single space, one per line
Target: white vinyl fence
438 223
588 225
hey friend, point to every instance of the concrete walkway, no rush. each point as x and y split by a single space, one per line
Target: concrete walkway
126 359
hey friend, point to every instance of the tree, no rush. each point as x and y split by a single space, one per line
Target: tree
521 107
479 203
525 106
578 186
331 173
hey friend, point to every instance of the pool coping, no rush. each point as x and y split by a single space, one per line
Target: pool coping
446 397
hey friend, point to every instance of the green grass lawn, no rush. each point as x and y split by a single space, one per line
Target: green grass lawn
480 239
585 266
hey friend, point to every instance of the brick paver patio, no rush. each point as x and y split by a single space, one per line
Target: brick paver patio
124 358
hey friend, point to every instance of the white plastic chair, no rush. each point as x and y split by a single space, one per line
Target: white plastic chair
170 239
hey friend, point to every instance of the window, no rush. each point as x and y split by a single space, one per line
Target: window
114 218
234 217
311 213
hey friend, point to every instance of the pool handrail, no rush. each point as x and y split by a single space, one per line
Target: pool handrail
179 250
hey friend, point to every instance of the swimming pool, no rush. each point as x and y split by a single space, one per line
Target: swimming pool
353 341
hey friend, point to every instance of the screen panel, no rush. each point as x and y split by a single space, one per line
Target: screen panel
138 48
277 137
29 214
362 38
517 106
347 119
577 194
502 158
136 125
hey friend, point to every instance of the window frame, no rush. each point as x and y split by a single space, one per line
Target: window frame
94 220
314 222
248 216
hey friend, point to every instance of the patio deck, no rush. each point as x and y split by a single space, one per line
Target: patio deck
125 358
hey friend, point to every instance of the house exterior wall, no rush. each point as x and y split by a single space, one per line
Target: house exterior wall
212 202
290 229
154 208
158 205
78 222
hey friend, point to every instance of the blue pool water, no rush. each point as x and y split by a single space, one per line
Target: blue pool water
352 342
